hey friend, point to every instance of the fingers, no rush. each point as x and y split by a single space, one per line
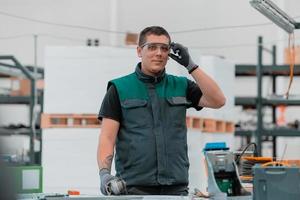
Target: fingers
180 54
116 186
179 49
174 57
177 46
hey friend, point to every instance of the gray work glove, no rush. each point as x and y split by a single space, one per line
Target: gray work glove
111 185
182 56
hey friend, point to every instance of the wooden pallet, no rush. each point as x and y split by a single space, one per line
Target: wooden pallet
91 121
69 121
210 125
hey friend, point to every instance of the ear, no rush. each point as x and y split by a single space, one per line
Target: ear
139 51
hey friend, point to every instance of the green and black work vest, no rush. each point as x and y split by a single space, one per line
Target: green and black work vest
151 146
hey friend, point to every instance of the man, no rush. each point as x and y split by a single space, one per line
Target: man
143 117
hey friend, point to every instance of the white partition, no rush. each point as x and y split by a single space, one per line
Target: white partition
75 82
69 160
76 77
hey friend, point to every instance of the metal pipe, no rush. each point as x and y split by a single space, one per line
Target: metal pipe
274 139
259 66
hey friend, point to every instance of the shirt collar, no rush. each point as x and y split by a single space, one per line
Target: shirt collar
147 78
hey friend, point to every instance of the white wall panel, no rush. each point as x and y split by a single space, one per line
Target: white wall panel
69 160
76 78
75 82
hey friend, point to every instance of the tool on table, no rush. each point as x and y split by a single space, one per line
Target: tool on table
245 162
223 179
246 166
116 187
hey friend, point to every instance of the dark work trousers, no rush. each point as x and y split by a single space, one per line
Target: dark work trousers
181 190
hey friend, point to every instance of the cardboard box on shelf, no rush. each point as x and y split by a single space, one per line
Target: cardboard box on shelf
131 39
21 86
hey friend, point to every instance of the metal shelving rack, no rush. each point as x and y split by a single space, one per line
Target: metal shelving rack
259 102
11 67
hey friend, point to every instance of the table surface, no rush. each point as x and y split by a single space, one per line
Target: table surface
125 197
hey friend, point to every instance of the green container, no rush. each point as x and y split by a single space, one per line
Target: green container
225 185
27 179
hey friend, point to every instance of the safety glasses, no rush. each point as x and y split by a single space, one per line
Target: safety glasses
152 47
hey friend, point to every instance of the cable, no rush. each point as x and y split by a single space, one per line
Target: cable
284 151
61 37
128 47
291 54
255 153
15 36
122 32
224 46
224 27
240 45
220 28
59 24
246 164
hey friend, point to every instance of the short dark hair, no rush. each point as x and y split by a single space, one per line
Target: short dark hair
155 30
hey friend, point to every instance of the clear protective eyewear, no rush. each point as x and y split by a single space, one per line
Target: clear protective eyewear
165 48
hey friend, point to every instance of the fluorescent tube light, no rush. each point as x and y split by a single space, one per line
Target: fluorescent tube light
275 14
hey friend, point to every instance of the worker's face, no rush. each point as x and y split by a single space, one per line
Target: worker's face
154 54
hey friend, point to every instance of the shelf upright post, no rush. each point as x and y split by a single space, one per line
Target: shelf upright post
34 95
32 121
274 58
259 129
32 101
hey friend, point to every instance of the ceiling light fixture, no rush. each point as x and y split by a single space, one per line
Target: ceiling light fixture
275 14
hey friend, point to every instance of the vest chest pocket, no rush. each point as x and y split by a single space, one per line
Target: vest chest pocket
178 101
134 112
133 103
177 107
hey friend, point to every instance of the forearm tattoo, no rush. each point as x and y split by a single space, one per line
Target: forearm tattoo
106 163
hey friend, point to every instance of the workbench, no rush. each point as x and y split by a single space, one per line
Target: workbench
132 197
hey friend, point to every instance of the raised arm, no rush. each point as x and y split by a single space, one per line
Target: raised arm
212 96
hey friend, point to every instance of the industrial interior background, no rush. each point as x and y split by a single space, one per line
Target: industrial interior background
53 36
